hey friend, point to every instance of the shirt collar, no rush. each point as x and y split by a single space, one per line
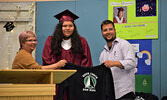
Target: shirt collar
113 43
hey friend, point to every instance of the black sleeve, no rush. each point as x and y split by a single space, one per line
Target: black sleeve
110 91
61 88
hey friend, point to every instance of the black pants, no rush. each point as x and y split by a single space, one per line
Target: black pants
128 96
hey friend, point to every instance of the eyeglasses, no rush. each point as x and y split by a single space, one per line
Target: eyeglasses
31 40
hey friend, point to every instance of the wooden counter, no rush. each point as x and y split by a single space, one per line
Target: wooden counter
29 84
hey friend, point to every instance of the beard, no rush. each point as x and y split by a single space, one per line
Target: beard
110 40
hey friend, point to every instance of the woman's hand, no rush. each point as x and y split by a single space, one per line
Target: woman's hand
61 63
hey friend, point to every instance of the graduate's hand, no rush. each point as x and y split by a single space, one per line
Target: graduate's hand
61 63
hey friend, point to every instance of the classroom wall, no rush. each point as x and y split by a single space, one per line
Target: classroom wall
160 70
92 13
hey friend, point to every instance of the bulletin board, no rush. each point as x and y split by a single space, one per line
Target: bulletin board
143 70
141 18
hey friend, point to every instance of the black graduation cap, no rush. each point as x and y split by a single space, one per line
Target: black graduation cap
9 26
120 9
66 15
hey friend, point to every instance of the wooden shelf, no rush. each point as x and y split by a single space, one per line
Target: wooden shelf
27 89
31 76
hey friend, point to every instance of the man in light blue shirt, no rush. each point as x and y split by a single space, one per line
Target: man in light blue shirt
118 55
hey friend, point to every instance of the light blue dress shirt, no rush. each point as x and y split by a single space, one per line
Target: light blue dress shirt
124 79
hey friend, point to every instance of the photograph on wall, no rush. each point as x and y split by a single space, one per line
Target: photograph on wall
134 19
120 15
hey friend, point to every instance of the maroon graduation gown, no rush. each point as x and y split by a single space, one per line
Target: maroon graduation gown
85 59
82 60
115 20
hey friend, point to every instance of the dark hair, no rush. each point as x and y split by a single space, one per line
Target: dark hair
105 22
57 39
119 12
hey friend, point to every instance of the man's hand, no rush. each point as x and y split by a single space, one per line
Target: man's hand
110 63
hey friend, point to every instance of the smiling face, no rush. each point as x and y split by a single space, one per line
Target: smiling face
108 32
30 44
68 29
120 14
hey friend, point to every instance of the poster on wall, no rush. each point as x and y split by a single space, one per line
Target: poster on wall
143 83
143 70
143 51
134 19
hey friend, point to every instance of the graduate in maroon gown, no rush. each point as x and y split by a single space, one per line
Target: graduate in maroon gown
120 16
66 43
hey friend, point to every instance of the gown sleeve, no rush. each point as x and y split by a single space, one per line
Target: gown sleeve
115 20
123 19
47 55
86 57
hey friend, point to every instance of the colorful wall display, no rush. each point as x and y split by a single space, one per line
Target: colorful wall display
143 50
143 83
143 77
138 18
